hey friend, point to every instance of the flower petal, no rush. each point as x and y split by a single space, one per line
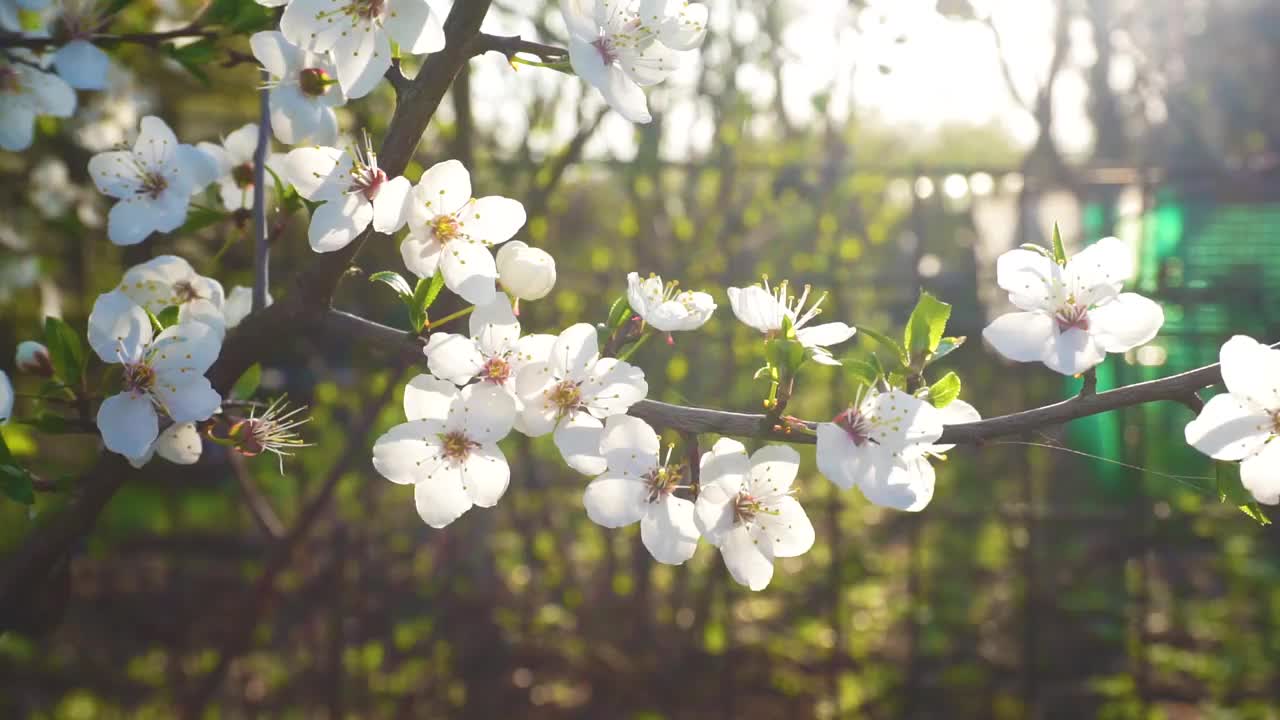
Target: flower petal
908 485
495 327
337 222
453 357
180 443
537 414
1252 370
469 270
82 65
492 220
578 437
1073 352
1033 281
825 335
415 27
1125 323
421 255
575 352
615 501
118 328
191 399
486 475
488 412
185 349
1260 474
278 56
668 530
408 453
128 424
389 209
629 446
318 173
1021 336
444 188
748 563
773 469
1100 270
785 528
613 387
429 398
1230 427
439 497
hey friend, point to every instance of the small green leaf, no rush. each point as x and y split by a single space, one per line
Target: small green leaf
427 297
947 346
195 56
168 317
1059 252
925 327
860 372
65 351
393 279
15 483
199 218
886 341
945 390
785 354
1231 490
248 383
619 313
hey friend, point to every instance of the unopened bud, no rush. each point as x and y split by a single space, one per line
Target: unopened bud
32 357
527 273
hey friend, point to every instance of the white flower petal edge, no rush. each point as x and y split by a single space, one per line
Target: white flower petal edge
1244 422
6 398
665 307
746 508
765 309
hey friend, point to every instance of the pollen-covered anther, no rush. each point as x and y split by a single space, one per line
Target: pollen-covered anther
566 396
138 377
856 425
445 228
496 370
1072 316
153 185
457 446
663 481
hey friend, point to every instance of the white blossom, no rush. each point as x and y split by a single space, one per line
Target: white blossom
180 444
160 373
528 273
153 182
303 90
235 162
639 487
572 391
880 445
1244 422
495 353
451 231
82 64
26 93
746 507
665 307
617 51
239 304
358 35
682 25
765 310
448 450
168 280
353 190
1071 317
33 357
6 398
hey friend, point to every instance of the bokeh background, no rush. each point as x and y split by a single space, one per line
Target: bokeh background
870 149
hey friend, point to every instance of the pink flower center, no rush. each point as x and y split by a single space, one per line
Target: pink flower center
367 9
242 175
314 82
138 377
496 370
369 182
1072 316
855 425
457 446
153 185
663 481
745 508
604 46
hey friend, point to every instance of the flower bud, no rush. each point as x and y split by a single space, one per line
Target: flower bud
526 272
32 357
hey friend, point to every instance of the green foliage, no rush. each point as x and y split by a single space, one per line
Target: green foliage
418 300
1232 491
619 312
946 389
65 351
15 480
248 382
168 317
1059 251
194 57
240 16
199 218
899 352
925 328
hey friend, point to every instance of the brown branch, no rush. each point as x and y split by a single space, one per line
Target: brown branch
14 40
259 505
1177 388
512 45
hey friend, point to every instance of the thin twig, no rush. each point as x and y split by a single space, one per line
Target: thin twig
259 505
261 249
512 45
149 39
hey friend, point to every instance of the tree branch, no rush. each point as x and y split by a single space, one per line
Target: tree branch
1176 388
511 45
12 40
261 250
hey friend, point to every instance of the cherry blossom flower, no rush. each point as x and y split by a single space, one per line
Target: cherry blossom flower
495 353
353 190
639 487
163 372
81 63
747 509
303 90
527 273
33 358
665 307
448 449
168 280
238 305
358 35
26 93
451 231
235 162
1244 422
153 182
180 444
616 50
879 444
765 310
573 391
1071 317
6 398
682 25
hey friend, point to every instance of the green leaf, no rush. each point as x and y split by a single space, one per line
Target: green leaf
861 372
945 390
248 383
947 346
1036 248
1059 252
886 341
426 292
199 218
619 313
168 317
65 350
393 279
1231 490
195 56
15 483
785 354
155 321
925 327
